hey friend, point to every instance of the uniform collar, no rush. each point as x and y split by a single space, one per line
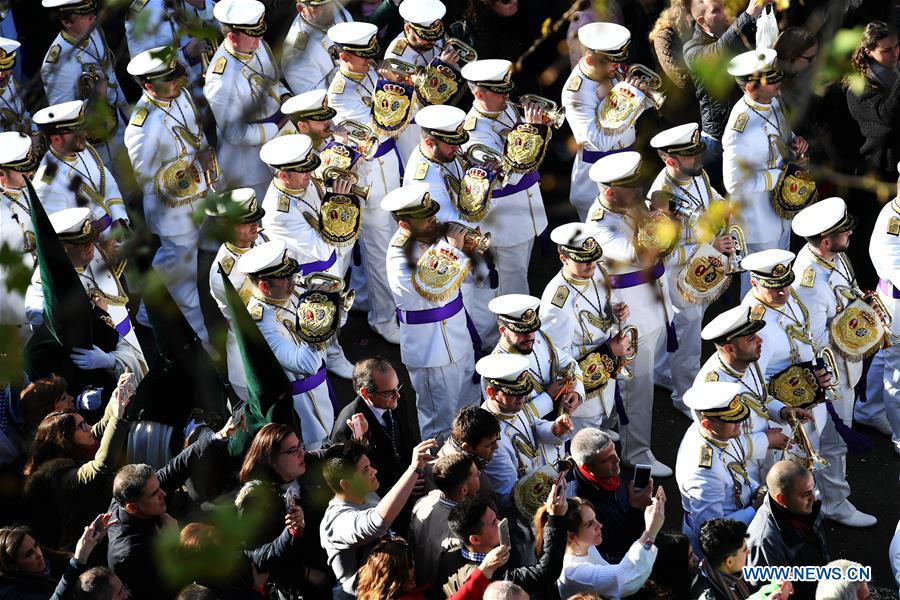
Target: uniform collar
75 42
756 105
895 204
574 280
68 159
487 115
318 28
260 296
607 207
711 440
581 69
282 188
678 181
352 76
819 260
238 55
236 250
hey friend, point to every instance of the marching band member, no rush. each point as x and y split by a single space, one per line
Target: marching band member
14 115
240 212
636 278
884 251
437 161
318 224
711 468
516 214
738 348
427 263
80 66
244 91
555 374
292 327
175 167
828 289
72 173
577 312
306 61
311 115
99 277
584 95
17 161
351 94
685 181
422 38
758 149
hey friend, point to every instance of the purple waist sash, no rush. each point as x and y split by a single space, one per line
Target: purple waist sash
592 156
124 326
387 146
319 265
102 223
528 180
301 386
886 288
431 315
635 278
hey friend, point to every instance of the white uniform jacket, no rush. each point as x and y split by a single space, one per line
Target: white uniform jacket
67 59
582 97
56 175
305 60
16 234
14 115
243 90
517 217
884 250
709 487
164 138
756 140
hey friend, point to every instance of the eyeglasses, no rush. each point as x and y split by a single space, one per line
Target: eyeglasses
389 393
293 450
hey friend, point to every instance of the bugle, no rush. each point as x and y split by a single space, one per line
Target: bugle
740 249
623 373
813 461
361 191
359 137
554 112
652 79
825 360
466 52
404 72
482 241
487 158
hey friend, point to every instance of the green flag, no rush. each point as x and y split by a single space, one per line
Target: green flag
67 308
269 396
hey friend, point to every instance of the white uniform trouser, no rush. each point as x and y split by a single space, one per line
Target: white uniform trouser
441 392
783 242
376 237
684 363
873 409
176 262
475 299
512 267
596 411
637 395
891 357
316 415
831 481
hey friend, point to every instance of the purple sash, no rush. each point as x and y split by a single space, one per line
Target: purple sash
635 278
385 147
886 288
528 180
301 386
592 156
102 223
124 326
319 265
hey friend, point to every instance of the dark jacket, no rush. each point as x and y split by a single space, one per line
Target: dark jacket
776 537
540 578
63 495
26 588
705 54
877 111
390 465
131 541
622 523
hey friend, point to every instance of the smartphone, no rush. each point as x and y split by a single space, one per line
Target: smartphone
238 412
504 532
641 476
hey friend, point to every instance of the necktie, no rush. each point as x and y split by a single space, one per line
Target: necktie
391 431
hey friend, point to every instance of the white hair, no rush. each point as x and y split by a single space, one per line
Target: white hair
503 590
588 443
841 589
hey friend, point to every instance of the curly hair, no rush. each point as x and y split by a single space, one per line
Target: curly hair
387 572
54 438
672 17
874 33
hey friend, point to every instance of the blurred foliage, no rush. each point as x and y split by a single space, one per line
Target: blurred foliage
836 63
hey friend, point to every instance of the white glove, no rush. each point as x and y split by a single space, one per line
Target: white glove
89 399
95 358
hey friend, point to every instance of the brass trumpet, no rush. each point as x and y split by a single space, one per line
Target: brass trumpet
554 112
357 190
652 79
740 249
466 52
404 71
813 461
487 158
623 373
327 282
359 137
825 360
482 240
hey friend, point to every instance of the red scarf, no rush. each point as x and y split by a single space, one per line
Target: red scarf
610 484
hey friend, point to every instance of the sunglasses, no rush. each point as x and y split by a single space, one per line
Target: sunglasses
390 393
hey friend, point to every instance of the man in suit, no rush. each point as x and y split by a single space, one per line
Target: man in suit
390 437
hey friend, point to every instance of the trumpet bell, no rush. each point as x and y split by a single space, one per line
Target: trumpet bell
554 112
466 52
360 137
